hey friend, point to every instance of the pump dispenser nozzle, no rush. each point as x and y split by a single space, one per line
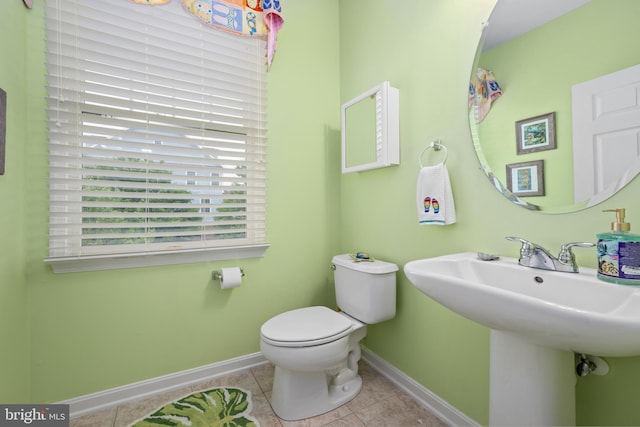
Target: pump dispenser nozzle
619 224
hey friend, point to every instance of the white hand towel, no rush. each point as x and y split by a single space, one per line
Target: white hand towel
434 197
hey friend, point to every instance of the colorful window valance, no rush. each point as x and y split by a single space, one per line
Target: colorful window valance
243 17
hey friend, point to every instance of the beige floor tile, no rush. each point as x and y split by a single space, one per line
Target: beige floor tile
242 379
379 403
375 388
264 375
103 418
263 413
419 411
394 412
320 420
350 420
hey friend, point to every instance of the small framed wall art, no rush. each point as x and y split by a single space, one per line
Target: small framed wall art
526 179
536 134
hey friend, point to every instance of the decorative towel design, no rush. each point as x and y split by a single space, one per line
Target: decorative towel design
243 17
218 407
483 90
434 197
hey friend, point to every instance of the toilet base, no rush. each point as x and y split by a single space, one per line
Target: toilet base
298 395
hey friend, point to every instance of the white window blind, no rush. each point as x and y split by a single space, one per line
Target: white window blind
157 131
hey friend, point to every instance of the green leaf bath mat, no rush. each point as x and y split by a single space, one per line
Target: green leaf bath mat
218 407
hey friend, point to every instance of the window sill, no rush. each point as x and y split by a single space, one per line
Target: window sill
148 259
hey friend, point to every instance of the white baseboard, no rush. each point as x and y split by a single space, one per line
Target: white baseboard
439 407
104 399
112 397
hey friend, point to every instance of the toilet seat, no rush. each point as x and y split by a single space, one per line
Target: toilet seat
305 327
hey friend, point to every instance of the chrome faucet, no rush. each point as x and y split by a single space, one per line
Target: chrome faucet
535 256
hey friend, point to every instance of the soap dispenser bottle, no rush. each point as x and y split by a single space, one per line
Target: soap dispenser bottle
619 252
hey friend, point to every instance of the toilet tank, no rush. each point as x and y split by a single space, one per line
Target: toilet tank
365 290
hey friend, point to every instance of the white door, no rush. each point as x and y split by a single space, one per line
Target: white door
606 134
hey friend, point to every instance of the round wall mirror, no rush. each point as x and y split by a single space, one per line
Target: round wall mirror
554 101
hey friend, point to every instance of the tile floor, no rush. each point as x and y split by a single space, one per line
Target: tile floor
379 403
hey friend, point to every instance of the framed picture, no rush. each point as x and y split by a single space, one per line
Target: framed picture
526 179
536 134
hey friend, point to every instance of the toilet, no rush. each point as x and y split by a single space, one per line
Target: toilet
316 350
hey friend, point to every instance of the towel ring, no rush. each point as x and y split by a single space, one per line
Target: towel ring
436 146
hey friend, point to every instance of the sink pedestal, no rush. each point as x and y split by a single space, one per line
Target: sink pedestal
530 385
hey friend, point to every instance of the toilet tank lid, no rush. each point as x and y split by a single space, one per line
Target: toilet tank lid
375 267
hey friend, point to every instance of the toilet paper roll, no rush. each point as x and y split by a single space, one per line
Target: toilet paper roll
230 277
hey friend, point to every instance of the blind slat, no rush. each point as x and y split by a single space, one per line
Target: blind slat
157 131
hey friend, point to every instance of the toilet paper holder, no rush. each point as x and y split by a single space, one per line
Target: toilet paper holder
217 274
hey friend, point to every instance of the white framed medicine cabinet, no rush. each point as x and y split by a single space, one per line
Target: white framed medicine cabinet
371 130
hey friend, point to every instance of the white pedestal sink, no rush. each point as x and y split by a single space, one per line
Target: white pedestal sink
529 384
539 318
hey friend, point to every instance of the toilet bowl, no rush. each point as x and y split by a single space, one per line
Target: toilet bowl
319 371
316 350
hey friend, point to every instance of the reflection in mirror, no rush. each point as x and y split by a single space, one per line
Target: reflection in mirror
370 130
548 70
361 132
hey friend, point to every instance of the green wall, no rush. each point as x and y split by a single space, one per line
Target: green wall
536 72
14 320
426 49
91 331
97 330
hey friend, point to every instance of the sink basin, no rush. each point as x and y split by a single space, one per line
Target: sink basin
566 311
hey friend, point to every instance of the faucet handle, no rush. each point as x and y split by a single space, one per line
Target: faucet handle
527 247
566 254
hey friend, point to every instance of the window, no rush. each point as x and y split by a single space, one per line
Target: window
157 135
